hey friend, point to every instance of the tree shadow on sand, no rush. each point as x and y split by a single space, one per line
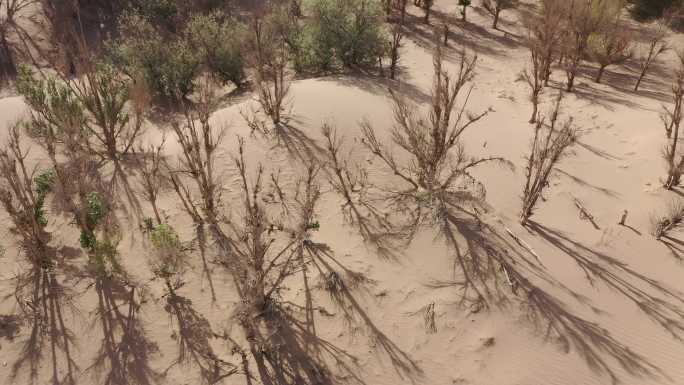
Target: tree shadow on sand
123 355
193 337
650 296
500 272
44 302
288 350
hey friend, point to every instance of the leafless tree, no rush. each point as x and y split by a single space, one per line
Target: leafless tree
199 141
40 295
550 144
611 44
584 19
395 45
672 119
494 7
546 32
535 73
152 179
268 53
657 44
15 41
427 8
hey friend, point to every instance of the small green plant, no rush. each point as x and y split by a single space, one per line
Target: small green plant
104 259
164 237
169 255
43 185
314 226
87 240
95 210
148 224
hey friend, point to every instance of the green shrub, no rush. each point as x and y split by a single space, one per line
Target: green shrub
167 63
164 237
43 184
345 33
95 210
217 40
103 259
168 259
54 105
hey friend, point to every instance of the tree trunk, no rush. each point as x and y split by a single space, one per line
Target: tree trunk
463 13
671 178
496 19
533 119
571 82
641 77
599 74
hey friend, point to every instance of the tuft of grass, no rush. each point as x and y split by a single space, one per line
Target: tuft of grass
671 218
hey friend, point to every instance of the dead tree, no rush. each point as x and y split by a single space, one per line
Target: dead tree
151 169
464 4
15 42
611 44
268 54
41 297
199 141
427 8
535 74
549 146
584 19
545 32
432 183
402 10
657 44
395 45
494 7
672 119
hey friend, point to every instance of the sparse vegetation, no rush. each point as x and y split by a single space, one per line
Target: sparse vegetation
550 145
239 226
494 7
672 119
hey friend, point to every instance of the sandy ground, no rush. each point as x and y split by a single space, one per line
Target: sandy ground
617 166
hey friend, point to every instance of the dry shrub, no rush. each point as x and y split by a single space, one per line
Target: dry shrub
669 220
672 119
549 146
657 44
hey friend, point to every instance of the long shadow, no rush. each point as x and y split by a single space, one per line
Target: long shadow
297 143
201 238
193 339
43 300
381 86
584 183
469 35
498 271
597 151
617 275
340 282
288 351
123 356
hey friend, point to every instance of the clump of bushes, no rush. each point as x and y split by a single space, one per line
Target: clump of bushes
345 33
216 39
168 66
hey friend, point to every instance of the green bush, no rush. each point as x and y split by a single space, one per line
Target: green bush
345 33
651 9
164 237
218 40
43 184
167 63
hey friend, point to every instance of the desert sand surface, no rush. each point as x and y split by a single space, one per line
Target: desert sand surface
616 165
